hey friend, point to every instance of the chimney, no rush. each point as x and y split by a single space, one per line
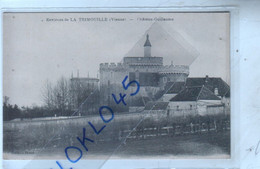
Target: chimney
216 91
207 79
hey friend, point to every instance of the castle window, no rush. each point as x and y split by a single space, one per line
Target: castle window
177 107
190 107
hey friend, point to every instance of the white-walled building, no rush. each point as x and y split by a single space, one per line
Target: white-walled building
196 100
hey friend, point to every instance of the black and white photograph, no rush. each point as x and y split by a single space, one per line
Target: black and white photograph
123 85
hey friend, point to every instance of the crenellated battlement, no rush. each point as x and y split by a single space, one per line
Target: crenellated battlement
176 66
174 69
152 68
112 66
142 64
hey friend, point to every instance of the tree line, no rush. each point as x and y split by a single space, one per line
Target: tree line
65 97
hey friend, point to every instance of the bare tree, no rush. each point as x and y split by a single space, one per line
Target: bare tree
57 97
62 94
6 100
48 95
68 95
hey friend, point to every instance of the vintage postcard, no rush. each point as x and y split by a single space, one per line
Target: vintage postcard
116 85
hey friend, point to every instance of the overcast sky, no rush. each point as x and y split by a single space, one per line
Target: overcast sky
36 49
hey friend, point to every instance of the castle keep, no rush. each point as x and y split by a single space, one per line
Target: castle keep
148 70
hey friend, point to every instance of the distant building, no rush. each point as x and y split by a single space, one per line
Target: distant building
81 89
81 82
196 100
216 85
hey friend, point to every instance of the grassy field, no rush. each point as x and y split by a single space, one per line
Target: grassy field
208 145
48 139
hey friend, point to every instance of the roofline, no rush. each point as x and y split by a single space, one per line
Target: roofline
199 93
208 78
203 86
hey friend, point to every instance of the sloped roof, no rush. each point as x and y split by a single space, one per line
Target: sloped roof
139 102
156 106
211 83
206 94
170 87
174 87
194 94
147 42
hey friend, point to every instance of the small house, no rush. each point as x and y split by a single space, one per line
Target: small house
196 100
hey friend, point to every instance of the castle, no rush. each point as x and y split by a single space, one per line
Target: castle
166 86
148 70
